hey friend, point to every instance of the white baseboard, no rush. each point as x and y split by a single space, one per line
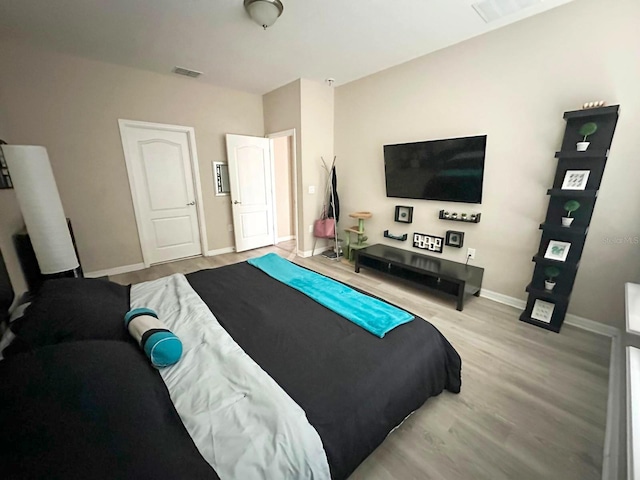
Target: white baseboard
308 253
220 251
320 247
140 266
592 326
115 271
504 299
285 239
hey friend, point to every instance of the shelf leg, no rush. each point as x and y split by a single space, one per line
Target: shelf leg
460 303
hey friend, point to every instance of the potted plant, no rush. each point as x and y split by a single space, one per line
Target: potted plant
570 206
464 216
586 130
551 273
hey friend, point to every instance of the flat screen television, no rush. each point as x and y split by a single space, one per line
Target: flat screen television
449 170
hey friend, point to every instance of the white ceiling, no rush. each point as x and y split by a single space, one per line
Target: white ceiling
314 39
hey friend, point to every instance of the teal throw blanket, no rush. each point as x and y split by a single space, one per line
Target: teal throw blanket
369 313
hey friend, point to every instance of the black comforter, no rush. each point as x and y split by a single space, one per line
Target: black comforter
91 410
81 401
354 387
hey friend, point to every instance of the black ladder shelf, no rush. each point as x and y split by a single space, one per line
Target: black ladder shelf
594 160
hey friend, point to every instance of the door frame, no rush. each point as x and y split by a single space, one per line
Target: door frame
195 173
294 159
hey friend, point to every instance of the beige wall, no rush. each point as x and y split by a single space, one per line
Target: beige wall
283 172
282 112
514 85
306 106
317 115
71 106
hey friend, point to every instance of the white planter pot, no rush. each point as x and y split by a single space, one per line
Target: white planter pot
548 286
567 221
582 146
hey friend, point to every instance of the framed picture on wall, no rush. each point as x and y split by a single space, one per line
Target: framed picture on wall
432 243
454 239
404 214
575 180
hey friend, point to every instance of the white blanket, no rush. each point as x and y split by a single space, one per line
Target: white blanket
240 419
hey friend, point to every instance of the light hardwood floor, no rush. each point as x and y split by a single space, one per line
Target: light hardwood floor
532 406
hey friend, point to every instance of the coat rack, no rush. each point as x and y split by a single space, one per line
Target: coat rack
331 195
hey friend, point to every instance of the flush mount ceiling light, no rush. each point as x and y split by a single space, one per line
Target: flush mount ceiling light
264 12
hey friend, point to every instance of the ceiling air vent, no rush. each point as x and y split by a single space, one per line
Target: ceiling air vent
186 72
492 10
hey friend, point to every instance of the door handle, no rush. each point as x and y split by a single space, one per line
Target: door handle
191 203
235 202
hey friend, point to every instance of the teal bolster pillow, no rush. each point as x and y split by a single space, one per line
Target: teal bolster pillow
159 344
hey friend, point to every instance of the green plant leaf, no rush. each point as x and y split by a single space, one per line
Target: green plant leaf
588 129
551 272
572 206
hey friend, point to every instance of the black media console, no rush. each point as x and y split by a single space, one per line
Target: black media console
453 278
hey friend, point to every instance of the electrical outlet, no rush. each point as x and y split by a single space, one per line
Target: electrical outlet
471 253
230 227
310 228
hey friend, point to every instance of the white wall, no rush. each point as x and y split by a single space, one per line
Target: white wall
512 84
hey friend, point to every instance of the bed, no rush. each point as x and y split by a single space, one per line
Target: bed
80 398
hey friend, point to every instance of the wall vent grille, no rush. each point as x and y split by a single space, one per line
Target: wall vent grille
492 10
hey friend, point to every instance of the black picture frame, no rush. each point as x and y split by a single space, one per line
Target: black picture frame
431 243
454 238
404 214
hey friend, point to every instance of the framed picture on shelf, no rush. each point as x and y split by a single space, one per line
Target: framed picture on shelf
575 180
542 311
557 250
454 239
404 214
428 242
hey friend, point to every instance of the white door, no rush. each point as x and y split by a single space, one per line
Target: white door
249 160
159 161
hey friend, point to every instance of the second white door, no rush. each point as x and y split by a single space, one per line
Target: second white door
159 160
250 179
